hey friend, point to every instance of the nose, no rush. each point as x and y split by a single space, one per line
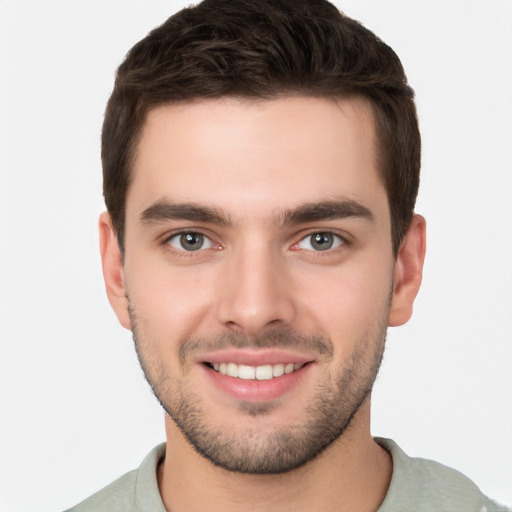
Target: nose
255 292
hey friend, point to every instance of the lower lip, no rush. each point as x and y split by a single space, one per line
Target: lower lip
257 390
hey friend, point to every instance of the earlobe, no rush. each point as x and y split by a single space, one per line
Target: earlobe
408 272
113 270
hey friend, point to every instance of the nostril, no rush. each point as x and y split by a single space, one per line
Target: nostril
233 326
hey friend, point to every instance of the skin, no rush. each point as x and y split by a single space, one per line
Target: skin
253 163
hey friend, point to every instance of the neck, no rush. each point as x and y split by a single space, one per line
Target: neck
353 473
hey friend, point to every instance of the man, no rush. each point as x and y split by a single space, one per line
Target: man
261 164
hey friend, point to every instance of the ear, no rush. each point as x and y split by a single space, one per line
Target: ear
408 272
113 270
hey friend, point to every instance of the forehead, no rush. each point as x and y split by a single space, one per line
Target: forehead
265 155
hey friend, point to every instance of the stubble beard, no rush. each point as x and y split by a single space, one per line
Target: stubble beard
337 399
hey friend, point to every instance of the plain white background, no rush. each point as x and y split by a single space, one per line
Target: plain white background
75 411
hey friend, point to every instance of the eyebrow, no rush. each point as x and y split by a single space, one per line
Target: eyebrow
164 210
325 210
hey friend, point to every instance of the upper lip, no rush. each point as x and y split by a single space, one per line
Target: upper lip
253 357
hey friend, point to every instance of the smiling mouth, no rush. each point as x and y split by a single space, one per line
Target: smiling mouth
264 372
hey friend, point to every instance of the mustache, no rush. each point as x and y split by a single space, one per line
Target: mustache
282 338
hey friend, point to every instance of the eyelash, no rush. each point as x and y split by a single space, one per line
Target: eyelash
182 251
338 239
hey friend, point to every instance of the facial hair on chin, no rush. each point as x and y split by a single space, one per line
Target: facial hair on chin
337 399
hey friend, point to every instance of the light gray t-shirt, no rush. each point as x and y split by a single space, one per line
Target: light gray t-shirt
417 485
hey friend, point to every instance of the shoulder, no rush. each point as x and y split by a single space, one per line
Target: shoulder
119 495
134 491
424 485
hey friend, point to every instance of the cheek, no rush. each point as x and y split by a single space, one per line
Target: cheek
169 301
348 301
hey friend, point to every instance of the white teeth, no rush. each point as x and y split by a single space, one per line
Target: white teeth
246 372
264 372
232 370
278 370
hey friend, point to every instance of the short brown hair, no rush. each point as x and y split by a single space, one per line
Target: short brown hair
264 49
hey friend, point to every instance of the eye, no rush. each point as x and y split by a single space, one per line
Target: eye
322 241
189 241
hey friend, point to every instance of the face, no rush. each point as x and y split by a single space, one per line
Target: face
258 277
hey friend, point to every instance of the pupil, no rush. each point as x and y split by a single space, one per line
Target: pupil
322 241
192 241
